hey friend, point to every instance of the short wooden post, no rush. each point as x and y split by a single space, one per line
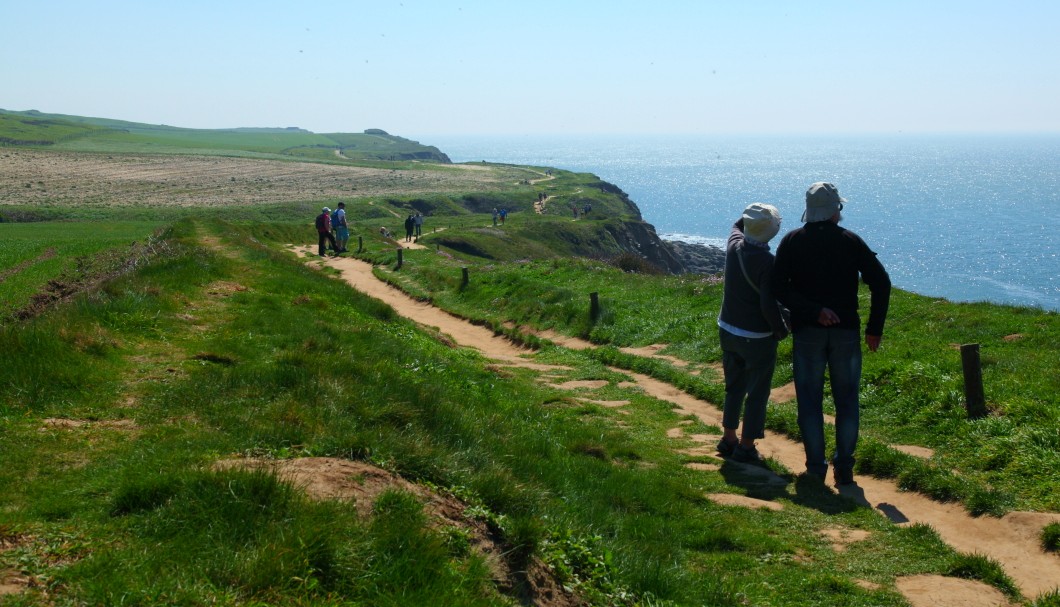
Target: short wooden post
464 278
400 261
360 244
974 399
594 305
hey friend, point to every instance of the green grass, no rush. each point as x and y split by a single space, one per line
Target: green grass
34 253
75 133
1051 537
243 350
216 351
912 389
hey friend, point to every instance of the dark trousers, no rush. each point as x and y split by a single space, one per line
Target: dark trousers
325 238
748 365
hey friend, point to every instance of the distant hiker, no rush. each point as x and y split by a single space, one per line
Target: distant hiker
418 221
342 230
750 324
385 233
504 215
323 224
816 275
495 214
410 226
588 207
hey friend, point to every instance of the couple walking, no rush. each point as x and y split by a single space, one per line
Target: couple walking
815 276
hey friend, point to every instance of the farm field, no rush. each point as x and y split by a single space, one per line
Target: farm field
93 181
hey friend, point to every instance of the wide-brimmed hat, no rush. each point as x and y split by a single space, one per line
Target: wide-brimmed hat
761 222
822 202
326 210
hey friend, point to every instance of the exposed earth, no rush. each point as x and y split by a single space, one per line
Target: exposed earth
30 177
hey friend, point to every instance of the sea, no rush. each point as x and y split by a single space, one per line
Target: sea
967 218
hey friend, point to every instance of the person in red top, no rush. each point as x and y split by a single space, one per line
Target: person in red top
324 231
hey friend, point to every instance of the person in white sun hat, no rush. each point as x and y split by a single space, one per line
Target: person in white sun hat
750 325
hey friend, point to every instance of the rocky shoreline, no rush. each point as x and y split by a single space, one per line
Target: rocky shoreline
698 258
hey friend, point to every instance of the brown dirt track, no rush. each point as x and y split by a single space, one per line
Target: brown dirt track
33 177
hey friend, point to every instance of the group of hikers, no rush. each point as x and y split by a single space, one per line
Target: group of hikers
413 226
332 230
810 290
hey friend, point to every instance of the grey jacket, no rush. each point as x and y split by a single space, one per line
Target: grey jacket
743 306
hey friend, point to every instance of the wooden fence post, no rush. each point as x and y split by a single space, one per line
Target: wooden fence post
400 261
360 244
594 305
464 278
974 399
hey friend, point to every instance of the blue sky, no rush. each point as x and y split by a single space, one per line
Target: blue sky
435 67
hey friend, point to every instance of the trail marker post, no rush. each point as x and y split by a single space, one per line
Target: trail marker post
400 260
594 306
974 399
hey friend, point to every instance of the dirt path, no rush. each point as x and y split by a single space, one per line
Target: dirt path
1012 541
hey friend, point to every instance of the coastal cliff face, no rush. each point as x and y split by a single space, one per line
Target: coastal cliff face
640 238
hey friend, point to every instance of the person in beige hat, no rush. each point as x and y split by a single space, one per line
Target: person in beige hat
817 272
749 326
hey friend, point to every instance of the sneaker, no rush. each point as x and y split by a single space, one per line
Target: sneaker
725 448
843 477
746 454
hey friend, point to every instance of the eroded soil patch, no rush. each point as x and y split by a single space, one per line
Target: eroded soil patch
361 484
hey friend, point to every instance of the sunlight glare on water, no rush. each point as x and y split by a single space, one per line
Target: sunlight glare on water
968 218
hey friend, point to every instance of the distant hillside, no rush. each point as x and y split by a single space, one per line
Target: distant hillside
78 133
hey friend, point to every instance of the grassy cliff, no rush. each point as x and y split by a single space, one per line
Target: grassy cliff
155 351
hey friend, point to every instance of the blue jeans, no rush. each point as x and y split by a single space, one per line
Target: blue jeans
838 350
748 365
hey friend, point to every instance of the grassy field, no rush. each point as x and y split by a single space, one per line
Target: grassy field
32 254
122 409
913 391
80 134
222 348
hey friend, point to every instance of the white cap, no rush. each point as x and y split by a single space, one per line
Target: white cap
761 222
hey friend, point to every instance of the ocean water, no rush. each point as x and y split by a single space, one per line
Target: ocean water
968 218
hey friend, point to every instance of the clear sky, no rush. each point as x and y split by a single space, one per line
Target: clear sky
422 67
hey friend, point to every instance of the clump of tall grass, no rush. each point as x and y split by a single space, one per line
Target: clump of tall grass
1051 537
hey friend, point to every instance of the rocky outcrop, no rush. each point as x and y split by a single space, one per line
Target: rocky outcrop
675 257
639 237
698 258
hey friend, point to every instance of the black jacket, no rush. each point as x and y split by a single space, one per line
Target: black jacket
818 266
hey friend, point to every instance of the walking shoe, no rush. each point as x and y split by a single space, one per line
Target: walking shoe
746 454
843 477
725 448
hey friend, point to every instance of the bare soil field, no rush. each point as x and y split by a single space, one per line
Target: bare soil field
33 177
